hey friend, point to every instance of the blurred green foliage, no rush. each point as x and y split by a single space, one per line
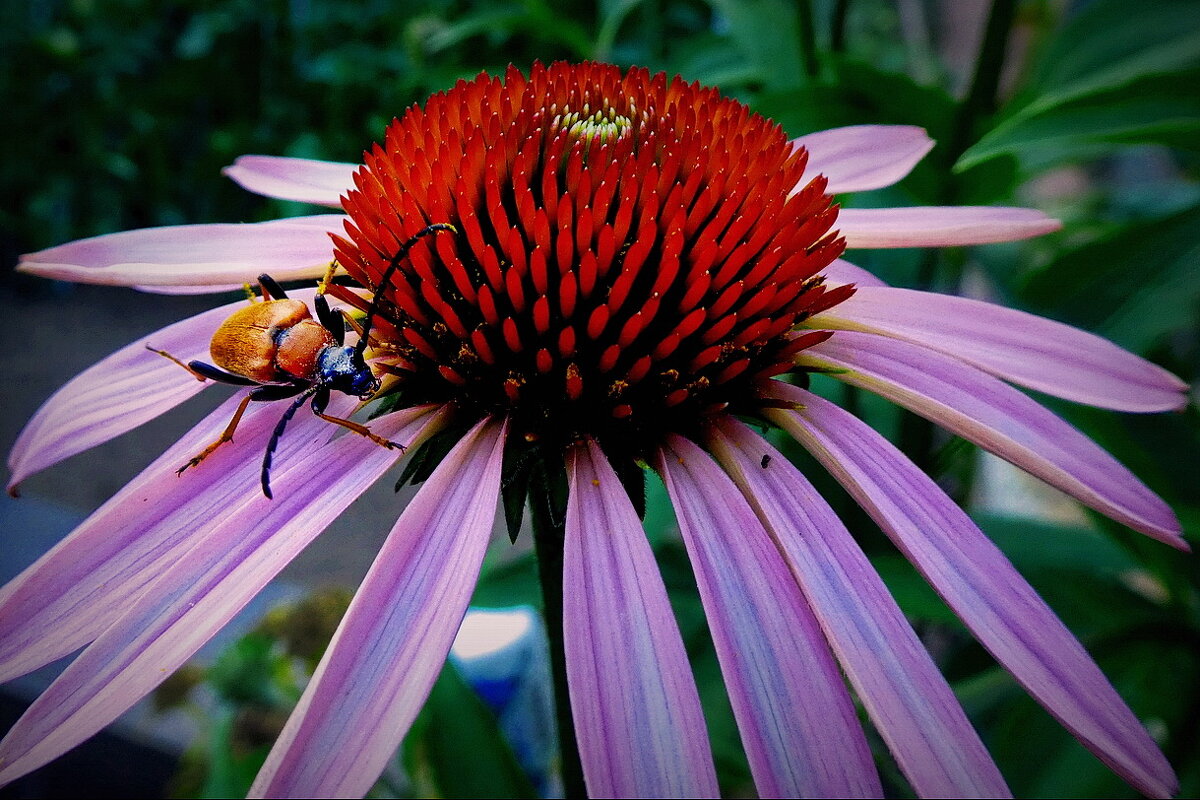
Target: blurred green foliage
255 682
120 114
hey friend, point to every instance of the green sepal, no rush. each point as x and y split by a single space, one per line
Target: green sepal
514 483
512 494
548 491
633 478
428 456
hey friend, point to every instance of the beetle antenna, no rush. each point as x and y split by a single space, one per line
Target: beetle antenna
278 432
387 276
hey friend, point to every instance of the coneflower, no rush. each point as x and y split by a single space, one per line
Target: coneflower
636 265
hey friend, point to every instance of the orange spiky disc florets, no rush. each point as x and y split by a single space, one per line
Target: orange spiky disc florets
632 251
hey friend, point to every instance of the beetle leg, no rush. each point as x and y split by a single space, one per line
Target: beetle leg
330 320
202 371
261 394
305 392
318 407
226 436
271 290
170 357
362 430
272 391
219 375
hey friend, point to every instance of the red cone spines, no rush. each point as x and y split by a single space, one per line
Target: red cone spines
633 252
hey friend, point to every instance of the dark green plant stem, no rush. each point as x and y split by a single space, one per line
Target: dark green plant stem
981 97
979 103
851 399
917 433
548 536
837 27
808 38
652 28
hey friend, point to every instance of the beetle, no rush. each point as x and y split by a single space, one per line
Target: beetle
277 347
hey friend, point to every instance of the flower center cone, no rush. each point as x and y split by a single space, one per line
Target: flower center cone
632 253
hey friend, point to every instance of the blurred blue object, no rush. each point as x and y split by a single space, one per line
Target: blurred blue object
502 653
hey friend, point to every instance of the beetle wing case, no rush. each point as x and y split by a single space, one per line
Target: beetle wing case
245 343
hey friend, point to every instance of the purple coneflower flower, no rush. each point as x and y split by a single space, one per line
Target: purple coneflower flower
636 263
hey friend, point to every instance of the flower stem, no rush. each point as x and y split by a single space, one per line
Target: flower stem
549 531
808 38
981 97
837 31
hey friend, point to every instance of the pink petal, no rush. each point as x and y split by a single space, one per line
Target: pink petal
999 419
219 255
301 179
911 704
940 226
862 157
637 713
197 289
71 594
1023 348
798 723
118 393
979 583
842 271
235 555
392 643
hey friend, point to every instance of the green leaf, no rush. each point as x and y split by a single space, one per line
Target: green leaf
612 16
532 17
1113 41
860 94
680 583
243 673
913 594
810 108
508 582
1134 286
229 772
490 20
462 746
768 34
990 182
1160 109
1106 47
864 95
729 756
660 516
1149 669
713 60
1033 545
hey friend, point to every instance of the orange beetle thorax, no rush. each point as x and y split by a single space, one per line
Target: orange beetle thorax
269 342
